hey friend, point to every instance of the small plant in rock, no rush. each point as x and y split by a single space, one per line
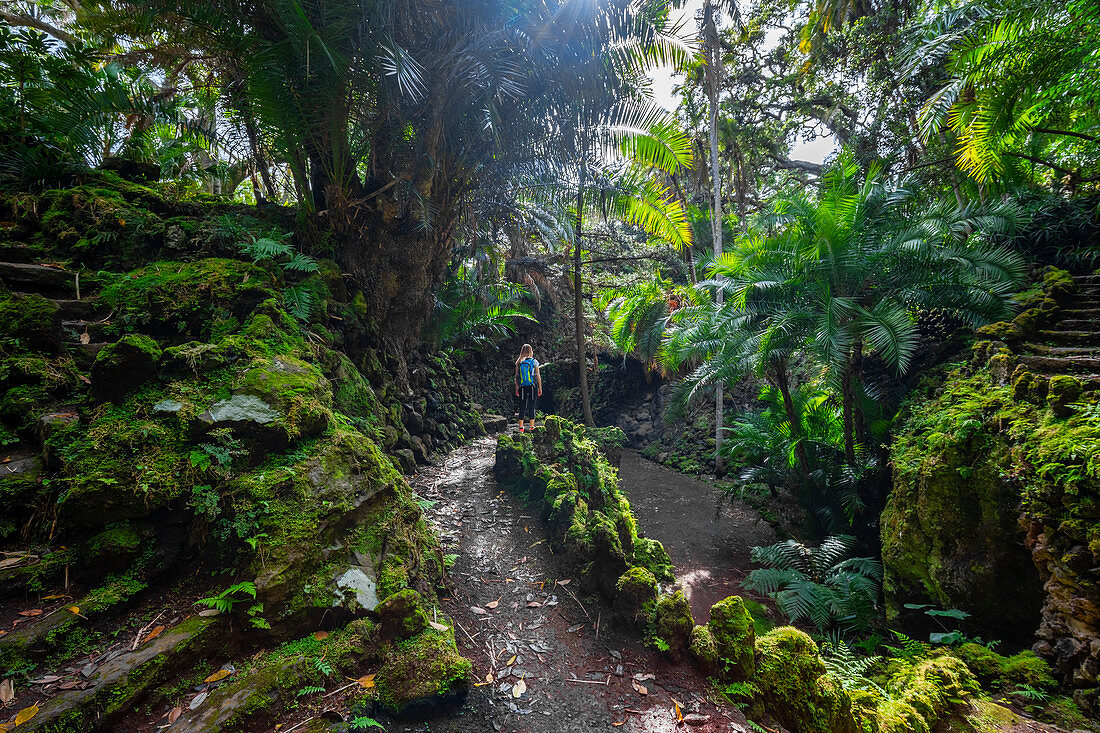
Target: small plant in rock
229 597
946 635
853 671
909 649
363 723
300 301
819 584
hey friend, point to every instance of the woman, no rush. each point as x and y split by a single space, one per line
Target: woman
528 384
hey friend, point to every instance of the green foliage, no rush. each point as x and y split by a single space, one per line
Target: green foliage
362 722
300 301
230 597
821 585
471 310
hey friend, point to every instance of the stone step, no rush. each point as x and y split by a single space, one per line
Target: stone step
1044 350
19 253
1061 364
1076 324
1086 278
1083 338
88 309
95 330
85 354
1083 314
23 277
118 684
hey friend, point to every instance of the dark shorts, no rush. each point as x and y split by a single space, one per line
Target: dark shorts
529 400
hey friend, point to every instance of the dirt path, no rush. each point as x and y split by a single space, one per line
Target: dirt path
707 537
519 619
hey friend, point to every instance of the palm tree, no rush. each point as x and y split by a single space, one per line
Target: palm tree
1020 87
841 276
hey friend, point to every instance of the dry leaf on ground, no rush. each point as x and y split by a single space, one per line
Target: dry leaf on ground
7 691
438 627
157 630
221 674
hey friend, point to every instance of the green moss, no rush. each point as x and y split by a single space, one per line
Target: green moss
1061 391
794 687
424 668
29 322
651 555
124 365
673 623
295 388
734 633
635 594
183 301
401 615
931 686
704 651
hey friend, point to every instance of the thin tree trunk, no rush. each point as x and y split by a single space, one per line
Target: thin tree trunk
783 385
847 405
714 63
578 307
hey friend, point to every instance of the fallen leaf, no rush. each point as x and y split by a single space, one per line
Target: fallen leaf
366 681
157 630
536 543
640 689
54 597
221 674
199 700
26 714
534 604
478 610
68 685
438 627
511 661
46 680
32 612
493 604
643 677
519 688
85 338
489 677
616 725
320 635
209 612
677 712
567 581
7 691
174 714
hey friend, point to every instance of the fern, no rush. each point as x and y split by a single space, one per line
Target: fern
225 601
300 302
910 649
313 690
363 722
851 670
324 667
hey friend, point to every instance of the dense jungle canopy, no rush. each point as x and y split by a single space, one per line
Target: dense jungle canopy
265 268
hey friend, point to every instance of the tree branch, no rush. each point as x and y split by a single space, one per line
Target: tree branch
41 25
1074 176
1069 133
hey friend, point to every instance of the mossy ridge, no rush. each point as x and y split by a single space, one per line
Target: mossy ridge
565 471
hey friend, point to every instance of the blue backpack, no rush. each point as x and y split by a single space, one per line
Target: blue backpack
527 372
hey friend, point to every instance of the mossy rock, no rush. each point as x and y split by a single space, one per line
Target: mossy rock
931 686
635 594
31 321
1007 331
1023 668
401 615
673 623
704 651
122 367
423 674
794 687
651 555
1063 390
732 628
295 388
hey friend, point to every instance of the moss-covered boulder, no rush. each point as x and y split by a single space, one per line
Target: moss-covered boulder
296 389
704 651
734 633
950 531
635 594
1063 390
401 615
122 367
991 668
931 686
673 623
422 674
794 687
30 322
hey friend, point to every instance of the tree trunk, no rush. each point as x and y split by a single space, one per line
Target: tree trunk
783 385
714 64
847 406
578 307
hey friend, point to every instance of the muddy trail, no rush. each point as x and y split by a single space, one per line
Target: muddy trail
544 657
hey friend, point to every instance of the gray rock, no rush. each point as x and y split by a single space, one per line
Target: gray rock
357 585
241 408
250 419
168 406
494 423
405 460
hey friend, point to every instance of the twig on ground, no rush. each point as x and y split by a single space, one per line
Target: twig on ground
141 632
299 725
578 600
588 682
339 689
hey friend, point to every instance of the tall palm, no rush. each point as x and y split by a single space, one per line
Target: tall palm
1020 85
842 276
